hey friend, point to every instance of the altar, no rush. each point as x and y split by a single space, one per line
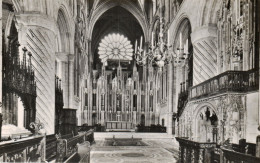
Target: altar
119 126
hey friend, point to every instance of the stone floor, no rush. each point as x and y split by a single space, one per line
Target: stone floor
161 148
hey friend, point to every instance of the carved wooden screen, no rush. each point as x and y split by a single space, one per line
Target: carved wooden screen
18 81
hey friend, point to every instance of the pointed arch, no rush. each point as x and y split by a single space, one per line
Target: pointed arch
106 5
66 28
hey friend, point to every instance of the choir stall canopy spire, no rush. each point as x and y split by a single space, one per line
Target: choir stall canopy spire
115 47
18 76
18 80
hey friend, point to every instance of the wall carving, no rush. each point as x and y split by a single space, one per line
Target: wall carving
230 113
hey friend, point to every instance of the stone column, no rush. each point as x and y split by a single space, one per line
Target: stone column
204 40
37 33
134 117
156 118
193 155
184 154
90 77
70 81
63 73
169 125
175 91
170 99
102 118
201 156
180 153
1 78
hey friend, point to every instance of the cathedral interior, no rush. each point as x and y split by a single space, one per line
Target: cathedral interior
130 81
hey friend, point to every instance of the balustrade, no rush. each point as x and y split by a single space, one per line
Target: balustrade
51 147
68 147
233 156
191 151
23 150
230 81
40 148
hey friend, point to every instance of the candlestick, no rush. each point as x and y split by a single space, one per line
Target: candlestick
152 39
238 10
180 41
135 46
184 50
168 39
141 41
187 46
160 9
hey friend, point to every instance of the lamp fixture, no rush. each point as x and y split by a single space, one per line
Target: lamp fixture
160 53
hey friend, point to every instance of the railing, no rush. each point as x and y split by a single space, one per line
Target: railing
233 156
250 148
191 151
85 128
67 136
41 148
230 81
96 128
68 147
23 150
244 147
216 154
51 147
72 144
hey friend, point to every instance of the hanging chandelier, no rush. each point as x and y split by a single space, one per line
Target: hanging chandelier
161 53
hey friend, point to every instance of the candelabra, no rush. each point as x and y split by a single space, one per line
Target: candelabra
161 53
140 54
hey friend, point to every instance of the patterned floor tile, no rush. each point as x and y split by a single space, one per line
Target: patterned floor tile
161 151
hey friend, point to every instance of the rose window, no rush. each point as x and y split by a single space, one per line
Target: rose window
115 47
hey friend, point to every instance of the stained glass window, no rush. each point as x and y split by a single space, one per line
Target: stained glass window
115 47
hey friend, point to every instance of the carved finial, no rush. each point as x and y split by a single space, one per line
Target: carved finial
36 126
24 49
